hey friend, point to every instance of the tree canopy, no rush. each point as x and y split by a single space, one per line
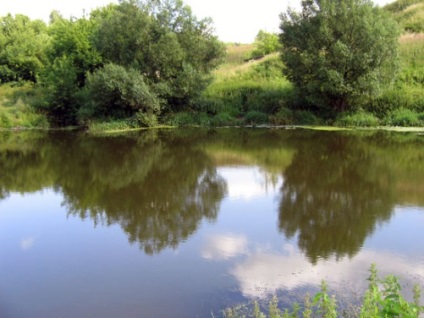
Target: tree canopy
338 53
149 56
22 48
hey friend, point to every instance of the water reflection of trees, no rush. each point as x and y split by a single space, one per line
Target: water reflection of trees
335 192
157 188
160 186
157 191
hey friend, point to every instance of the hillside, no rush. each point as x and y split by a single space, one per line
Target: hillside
409 14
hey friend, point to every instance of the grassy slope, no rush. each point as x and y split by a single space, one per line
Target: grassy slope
242 86
408 13
16 110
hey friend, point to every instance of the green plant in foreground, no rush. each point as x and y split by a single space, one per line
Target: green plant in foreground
383 298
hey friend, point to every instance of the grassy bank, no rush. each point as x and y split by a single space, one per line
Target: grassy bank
254 92
16 109
247 91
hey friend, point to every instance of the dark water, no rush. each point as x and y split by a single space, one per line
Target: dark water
185 223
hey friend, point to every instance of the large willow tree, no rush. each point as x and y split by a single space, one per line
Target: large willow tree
338 52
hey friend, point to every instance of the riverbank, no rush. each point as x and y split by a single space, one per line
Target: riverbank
253 92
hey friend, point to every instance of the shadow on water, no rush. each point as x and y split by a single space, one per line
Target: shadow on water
160 185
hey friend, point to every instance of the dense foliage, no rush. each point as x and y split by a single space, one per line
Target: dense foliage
266 43
338 53
144 62
22 48
146 56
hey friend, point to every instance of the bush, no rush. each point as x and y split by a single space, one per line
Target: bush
389 101
5 121
357 119
208 105
120 93
222 119
145 119
109 125
183 119
283 117
304 117
404 117
256 117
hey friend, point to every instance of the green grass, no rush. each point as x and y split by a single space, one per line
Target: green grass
408 13
16 110
243 87
357 119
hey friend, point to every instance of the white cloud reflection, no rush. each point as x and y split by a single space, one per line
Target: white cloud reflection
224 246
247 183
27 243
265 273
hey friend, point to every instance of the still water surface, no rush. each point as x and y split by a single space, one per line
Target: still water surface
184 223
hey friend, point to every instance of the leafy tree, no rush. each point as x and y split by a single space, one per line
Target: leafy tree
266 43
119 93
74 39
164 42
22 48
338 52
60 103
71 57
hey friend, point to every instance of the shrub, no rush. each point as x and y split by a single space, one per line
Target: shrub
208 105
109 125
182 119
391 100
145 119
222 119
357 119
304 117
4 121
117 92
283 117
256 117
404 117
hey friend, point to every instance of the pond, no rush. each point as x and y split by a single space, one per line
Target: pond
184 223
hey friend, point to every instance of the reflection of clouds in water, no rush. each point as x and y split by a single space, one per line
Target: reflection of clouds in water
247 182
265 273
27 243
224 246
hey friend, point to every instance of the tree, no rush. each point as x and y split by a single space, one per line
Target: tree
119 93
22 48
338 52
266 43
166 43
71 57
